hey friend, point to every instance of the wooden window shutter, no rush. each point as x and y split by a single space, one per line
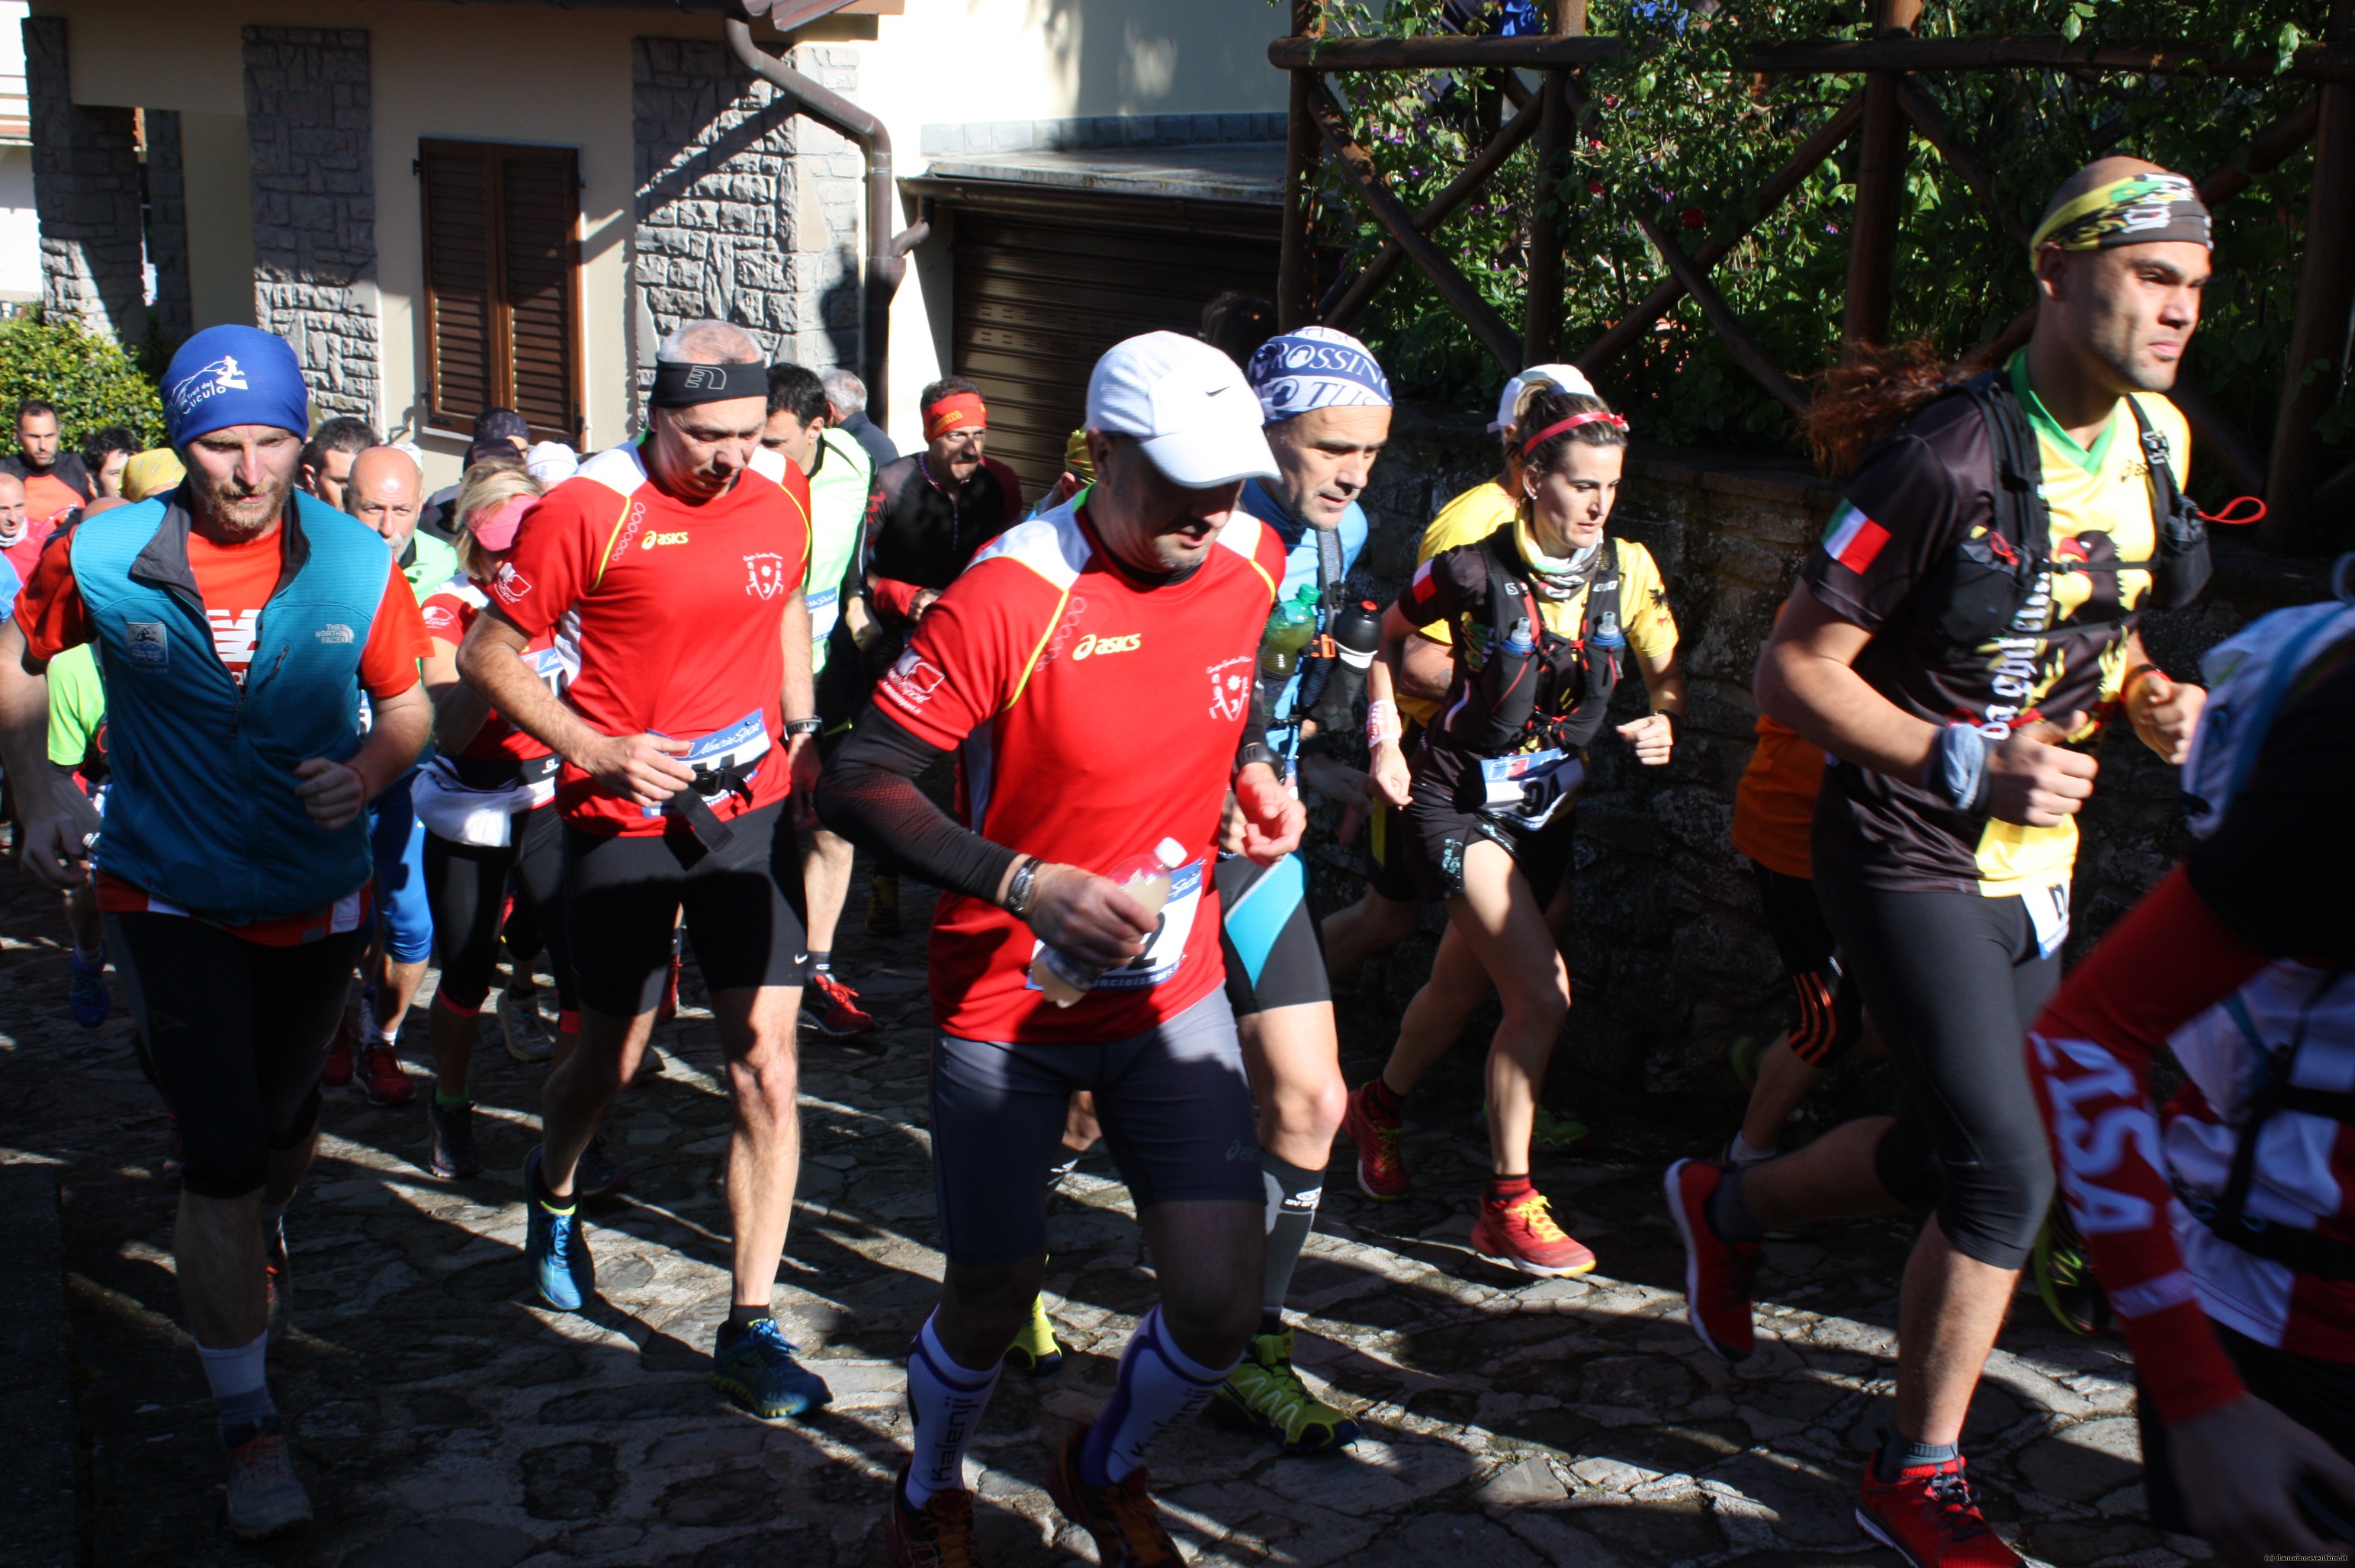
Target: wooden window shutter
502 285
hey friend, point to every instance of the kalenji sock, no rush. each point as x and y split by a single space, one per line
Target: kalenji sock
1900 1452
1510 1189
1729 1213
240 1385
821 963
1292 1193
1159 1386
946 1400
1384 1098
1742 1152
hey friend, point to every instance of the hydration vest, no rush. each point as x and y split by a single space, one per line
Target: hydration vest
1556 693
1979 591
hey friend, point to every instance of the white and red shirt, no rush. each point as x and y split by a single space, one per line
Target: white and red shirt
1095 713
554 657
677 605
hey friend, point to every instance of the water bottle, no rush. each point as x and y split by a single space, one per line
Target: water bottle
1518 644
1608 634
1144 879
1290 624
1357 633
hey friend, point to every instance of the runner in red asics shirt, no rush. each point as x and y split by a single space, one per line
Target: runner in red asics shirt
680 561
1093 669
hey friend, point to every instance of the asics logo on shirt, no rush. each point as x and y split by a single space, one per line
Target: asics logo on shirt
233 637
651 540
1092 645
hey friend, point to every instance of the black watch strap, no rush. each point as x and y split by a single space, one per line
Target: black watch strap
1259 751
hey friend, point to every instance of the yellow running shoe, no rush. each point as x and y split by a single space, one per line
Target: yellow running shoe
1264 1395
1035 1352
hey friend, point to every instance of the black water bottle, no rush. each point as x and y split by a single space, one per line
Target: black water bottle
1357 632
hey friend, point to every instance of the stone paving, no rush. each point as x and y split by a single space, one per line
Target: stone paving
440 1418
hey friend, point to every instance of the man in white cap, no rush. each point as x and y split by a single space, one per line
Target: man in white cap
1093 669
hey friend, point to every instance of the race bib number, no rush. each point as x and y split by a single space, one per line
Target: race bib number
2048 912
1165 950
1526 790
733 749
825 608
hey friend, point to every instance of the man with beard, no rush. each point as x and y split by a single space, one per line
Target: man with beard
238 625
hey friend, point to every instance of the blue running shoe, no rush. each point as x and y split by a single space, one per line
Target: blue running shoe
559 1251
756 1372
89 997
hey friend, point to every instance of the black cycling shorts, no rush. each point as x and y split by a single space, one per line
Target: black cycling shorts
2318 1396
1176 1107
1831 1004
1387 853
744 905
1954 980
1275 954
469 884
234 1035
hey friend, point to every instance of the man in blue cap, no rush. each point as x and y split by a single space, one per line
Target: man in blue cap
238 624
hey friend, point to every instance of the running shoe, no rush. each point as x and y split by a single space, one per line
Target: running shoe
338 1075
1265 1394
1036 1352
277 1281
1381 1172
265 1496
525 1030
756 1372
882 904
834 1007
2064 1278
1930 1517
453 1141
1718 1273
595 1174
1122 1517
382 1079
1522 1235
86 993
937 1535
557 1246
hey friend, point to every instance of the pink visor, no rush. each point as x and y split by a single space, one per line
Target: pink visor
496 530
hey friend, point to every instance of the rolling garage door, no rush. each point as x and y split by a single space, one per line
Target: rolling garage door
1038 297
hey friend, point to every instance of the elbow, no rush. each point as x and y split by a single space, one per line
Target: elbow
1771 688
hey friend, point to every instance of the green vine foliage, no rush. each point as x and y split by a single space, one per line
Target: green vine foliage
92 382
1680 133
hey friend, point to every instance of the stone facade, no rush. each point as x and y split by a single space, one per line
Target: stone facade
314 279
167 228
745 211
86 189
1670 960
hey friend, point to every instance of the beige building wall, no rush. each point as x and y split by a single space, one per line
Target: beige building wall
216 172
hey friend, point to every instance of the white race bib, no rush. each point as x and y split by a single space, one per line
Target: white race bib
2048 912
1165 950
1527 788
824 607
735 747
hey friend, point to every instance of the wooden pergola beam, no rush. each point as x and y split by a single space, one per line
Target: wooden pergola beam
1934 129
1356 166
1723 322
2315 62
2266 148
1441 51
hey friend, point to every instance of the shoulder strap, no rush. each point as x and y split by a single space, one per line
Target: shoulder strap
2020 511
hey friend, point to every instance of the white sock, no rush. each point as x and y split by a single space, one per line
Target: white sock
1741 1153
945 1401
239 1383
1159 1386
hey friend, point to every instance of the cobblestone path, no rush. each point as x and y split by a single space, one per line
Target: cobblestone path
440 1419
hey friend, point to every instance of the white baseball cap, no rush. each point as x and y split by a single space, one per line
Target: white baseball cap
1561 377
1186 404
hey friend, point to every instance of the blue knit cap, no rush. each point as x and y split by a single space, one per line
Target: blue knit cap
233 375
1315 367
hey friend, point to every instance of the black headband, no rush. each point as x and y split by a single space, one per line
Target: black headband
679 385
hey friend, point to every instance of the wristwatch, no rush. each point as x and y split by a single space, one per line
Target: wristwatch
1259 751
1018 892
804 726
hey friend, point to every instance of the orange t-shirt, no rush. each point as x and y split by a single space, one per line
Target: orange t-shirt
1774 806
48 498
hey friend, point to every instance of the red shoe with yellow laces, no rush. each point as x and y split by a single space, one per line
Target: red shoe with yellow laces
1930 1517
1381 1172
1518 1233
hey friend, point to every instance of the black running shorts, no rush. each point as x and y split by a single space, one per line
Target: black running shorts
1387 873
744 905
1275 955
1176 1107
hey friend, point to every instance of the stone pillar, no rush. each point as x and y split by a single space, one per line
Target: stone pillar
745 212
308 122
86 189
167 228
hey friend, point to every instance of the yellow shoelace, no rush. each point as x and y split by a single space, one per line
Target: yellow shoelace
1533 1212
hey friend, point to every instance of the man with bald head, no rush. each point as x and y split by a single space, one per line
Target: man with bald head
386 490
678 562
21 539
1955 645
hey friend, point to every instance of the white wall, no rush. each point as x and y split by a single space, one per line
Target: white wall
20 225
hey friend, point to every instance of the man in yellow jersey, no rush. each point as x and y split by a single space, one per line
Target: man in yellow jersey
1955 645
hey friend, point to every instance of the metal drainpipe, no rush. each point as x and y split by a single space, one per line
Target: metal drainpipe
887 261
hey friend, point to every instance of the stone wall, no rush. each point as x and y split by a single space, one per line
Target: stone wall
1670 961
314 278
745 211
86 190
167 228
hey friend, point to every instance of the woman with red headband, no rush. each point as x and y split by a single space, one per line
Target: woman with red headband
1545 615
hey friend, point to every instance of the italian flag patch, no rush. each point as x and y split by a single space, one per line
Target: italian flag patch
1853 539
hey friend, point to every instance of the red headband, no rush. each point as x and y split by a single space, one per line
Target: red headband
1573 423
958 410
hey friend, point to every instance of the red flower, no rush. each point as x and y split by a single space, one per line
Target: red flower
1692 217
1594 187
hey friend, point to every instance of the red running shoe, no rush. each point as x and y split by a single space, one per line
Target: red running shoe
1718 1273
338 1074
938 1535
1522 1235
1929 1517
834 1007
382 1079
1381 1172
1122 1517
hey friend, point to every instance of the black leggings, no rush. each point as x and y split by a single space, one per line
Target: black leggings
468 885
1954 980
233 1034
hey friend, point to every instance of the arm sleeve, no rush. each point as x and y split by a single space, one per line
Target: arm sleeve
50 608
397 640
1447 584
1897 523
2089 1056
869 794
